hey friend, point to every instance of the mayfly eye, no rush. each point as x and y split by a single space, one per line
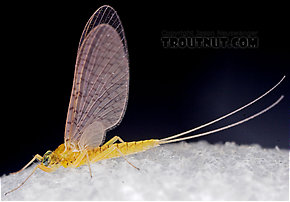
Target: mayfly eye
46 161
46 158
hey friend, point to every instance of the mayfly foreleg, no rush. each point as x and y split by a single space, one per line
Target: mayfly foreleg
22 182
37 156
45 168
113 140
78 161
88 160
42 167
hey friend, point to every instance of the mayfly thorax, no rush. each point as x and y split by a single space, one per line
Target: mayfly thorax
99 98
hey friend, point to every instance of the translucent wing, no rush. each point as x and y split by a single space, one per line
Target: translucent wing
101 81
105 15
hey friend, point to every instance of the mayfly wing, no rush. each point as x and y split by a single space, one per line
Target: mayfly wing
101 82
105 93
105 15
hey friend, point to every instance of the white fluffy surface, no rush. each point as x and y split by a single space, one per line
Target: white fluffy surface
194 171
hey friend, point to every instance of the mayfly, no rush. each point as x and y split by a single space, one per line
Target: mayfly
99 98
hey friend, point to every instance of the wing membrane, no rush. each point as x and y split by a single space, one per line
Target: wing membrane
101 82
105 15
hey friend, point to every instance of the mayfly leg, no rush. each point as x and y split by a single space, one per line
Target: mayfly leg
22 182
88 160
108 151
37 156
78 161
113 140
125 157
42 167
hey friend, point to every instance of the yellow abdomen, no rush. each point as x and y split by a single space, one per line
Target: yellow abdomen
116 150
68 158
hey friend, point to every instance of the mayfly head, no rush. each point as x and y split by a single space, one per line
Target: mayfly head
47 158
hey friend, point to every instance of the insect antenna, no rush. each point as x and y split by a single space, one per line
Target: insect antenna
173 137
